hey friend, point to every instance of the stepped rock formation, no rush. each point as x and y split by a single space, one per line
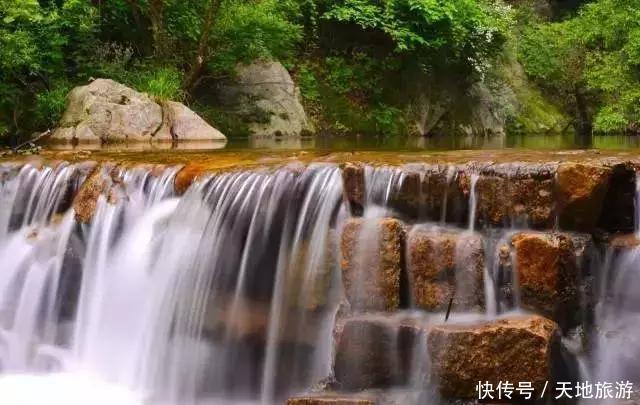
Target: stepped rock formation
279 291
107 111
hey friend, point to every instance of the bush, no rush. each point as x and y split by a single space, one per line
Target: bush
50 105
162 84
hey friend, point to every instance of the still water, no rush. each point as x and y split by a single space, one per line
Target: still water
381 143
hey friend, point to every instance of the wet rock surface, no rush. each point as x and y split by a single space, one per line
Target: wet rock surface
444 265
514 349
547 274
515 193
334 399
354 187
100 182
580 193
375 351
372 263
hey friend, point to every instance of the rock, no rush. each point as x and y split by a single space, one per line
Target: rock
375 351
516 193
580 191
309 280
103 181
186 176
547 274
265 96
516 349
105 110
372 253
445 264
354 187
180 123
625 242
619 203
332 399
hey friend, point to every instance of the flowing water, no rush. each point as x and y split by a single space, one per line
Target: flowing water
229 293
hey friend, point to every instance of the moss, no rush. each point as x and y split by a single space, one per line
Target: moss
533 112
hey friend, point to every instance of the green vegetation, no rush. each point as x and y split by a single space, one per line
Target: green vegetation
591 63
393 67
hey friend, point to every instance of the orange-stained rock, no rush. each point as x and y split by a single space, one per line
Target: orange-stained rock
513 193
580 192
99 182
332 399
371 262
547 273
625 242
516 349
186 177
444 264
353 181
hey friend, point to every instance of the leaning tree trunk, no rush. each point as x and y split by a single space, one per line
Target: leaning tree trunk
202 53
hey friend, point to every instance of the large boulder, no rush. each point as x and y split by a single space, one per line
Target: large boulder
180 123
266 98
372 254
517 349
105 110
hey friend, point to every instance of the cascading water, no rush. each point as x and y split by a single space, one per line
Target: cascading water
617 312
230 292
151 272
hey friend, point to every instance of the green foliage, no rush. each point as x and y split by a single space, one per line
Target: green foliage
50 104
441 34
594 54
610 120
247 31
163 84
308 83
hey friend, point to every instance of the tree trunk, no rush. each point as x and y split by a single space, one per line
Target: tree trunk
202 53
156 10
583 123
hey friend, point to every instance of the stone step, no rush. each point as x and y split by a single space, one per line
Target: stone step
383 351
387 265
577 196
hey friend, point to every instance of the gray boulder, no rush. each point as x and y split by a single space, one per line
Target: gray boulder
266 98
105 110
180 123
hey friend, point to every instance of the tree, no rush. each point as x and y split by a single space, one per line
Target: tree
594 58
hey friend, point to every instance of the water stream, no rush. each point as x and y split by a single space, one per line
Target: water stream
230 292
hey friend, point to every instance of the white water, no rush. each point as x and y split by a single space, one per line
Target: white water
150 269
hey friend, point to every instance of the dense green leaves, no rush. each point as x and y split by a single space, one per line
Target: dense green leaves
596 54
443 33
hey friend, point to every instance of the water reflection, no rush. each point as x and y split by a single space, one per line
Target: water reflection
382 143
439 143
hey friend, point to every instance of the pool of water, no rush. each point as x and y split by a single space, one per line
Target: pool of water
440 143
379 143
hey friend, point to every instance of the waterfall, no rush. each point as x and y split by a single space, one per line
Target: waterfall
166 287
115 285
